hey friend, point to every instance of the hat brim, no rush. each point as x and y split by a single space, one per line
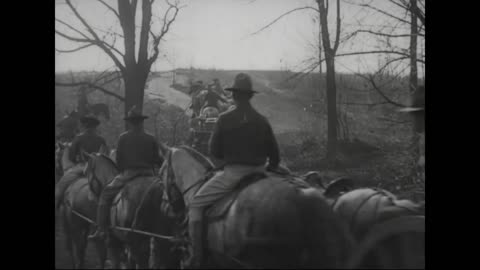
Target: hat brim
410 109
129 118
231 89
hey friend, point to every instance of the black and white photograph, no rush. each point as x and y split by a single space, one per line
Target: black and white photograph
239 134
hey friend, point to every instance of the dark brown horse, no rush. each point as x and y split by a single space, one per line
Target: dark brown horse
138 206
78 210
275 222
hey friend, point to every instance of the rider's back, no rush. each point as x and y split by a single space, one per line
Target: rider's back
89 142
244 136
137 150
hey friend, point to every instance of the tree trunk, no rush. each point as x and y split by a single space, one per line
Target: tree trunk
331 97
413 66
82 104
135 89
413 49
331 108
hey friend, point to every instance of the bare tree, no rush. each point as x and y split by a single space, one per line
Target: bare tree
329 53
133 62
329 58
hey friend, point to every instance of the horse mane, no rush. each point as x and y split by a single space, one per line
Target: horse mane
107 158
198 156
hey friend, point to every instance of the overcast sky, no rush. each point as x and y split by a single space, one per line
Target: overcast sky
216 34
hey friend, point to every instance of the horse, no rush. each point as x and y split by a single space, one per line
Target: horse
138 206
390 233
78 200
59 148
274 222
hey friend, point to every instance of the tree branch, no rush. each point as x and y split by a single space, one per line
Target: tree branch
72 38
337 38
73 28
281 16
98 42
74 50
385 13
110 8
384 34
165 29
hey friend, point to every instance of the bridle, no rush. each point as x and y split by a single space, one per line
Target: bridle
172 194
92 177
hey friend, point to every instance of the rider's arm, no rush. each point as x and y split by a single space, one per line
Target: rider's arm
103 147
119 155
215 141
74 150
157 159
272 148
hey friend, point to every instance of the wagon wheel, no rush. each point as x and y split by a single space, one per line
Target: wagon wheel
396 243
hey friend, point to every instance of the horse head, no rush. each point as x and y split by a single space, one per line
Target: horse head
181 172
100 171
362 208
61 156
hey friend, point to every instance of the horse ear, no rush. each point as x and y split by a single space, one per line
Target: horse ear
61 146
338 186
163 148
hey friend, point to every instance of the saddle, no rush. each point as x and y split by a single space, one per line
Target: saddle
220 208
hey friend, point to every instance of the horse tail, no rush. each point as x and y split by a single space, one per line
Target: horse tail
328 242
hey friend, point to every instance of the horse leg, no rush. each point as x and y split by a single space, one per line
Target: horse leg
80 244
141 252
131 262
116 252
102 253
68 235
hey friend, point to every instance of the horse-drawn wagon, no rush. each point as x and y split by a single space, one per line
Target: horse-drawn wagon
201 129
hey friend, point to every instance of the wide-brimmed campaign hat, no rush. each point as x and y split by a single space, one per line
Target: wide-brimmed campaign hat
243 83
89 120
417 101
135 114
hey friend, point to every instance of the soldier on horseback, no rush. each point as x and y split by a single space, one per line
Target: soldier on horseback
212 99
88 141
136 155
243 139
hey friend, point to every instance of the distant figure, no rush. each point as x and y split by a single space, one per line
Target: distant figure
212 99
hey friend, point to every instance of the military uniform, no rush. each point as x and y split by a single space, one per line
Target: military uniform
88 141
136 155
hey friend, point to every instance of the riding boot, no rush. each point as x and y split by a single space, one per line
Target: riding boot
196 233
102 220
